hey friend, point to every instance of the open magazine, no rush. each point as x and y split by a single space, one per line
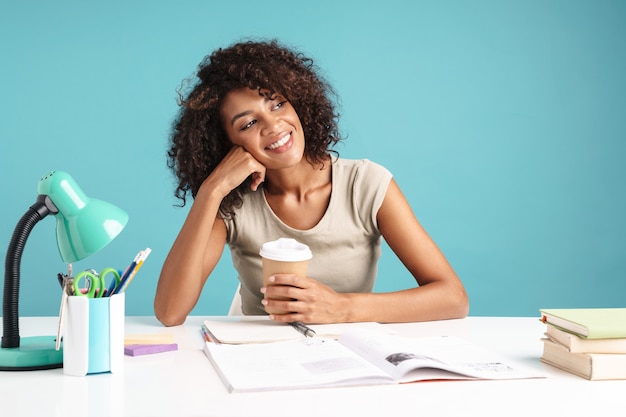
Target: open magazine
358 357
234 330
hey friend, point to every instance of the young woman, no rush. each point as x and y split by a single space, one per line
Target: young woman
253 146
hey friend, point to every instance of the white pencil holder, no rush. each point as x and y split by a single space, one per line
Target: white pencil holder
93 342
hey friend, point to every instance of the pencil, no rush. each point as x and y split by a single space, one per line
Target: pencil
126 274
142 257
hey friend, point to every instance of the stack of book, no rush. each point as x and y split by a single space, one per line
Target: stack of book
588 342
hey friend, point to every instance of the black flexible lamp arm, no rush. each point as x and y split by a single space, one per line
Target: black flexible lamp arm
10 307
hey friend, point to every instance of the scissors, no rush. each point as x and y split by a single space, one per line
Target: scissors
96 283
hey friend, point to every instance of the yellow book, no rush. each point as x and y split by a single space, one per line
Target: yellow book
588 323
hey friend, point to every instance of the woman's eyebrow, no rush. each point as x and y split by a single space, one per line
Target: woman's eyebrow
247 112
239 115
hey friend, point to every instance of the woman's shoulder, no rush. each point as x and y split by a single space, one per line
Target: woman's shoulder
360 167
361 185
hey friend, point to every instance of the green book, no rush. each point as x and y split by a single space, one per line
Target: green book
588 323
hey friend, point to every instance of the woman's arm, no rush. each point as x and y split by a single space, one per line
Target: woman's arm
194 254
439 295
200 242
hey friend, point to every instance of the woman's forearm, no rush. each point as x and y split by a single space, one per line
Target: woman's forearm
189 262
434 301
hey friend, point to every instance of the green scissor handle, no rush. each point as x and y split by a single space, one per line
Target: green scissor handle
96 282
93 282
114 283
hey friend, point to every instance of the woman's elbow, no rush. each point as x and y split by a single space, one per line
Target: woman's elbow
460 304
168 318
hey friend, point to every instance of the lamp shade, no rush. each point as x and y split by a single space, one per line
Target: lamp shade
83 225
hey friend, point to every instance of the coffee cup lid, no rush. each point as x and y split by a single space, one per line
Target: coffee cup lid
286 250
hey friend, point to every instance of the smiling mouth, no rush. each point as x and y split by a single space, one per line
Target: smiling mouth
280 142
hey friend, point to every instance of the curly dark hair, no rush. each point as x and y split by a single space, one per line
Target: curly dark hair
198 141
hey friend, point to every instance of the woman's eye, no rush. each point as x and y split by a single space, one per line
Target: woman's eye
279 105
248 125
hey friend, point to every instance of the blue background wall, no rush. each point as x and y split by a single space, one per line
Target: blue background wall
503 121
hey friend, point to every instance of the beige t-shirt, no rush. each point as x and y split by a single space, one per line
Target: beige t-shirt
345 243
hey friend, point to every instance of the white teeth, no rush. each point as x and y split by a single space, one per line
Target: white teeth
280 142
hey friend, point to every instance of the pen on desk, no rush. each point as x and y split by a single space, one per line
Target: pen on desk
208 336
205 334
303 328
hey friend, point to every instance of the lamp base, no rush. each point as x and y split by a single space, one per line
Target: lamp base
34 353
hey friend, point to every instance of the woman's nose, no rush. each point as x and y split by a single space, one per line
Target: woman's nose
269 125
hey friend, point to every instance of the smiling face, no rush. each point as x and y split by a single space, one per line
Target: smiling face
266 126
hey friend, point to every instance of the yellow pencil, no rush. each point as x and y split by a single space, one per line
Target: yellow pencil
142 259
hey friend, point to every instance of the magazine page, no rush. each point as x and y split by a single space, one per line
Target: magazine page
410 359
260 329
303 363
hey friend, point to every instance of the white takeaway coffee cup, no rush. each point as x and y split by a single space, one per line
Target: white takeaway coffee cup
284 256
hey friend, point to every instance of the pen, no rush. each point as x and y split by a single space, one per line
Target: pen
127 272
205 334
142 258
303 328
131 271
208 336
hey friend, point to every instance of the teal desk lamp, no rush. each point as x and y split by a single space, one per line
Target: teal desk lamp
83 226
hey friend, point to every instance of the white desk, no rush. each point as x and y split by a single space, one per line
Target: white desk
183 383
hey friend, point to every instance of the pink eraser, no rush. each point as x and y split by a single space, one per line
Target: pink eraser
137 350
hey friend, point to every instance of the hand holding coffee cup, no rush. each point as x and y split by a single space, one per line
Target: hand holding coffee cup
284 256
